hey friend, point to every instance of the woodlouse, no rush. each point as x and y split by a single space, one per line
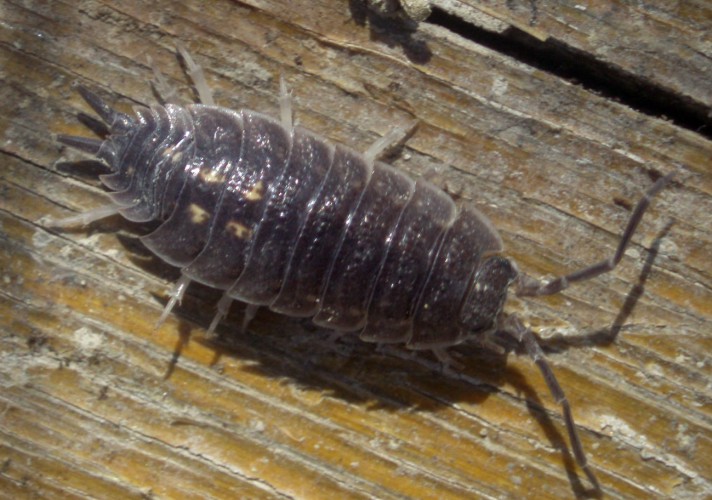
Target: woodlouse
277 216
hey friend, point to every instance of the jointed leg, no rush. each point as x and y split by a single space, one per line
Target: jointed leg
176 296
85 218
167 93
224 307
395 137
196 74
285 104
250 313
532 287
525 337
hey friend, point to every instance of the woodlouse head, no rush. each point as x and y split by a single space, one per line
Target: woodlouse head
487 294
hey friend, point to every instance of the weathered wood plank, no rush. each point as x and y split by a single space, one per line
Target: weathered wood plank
92 404
665 44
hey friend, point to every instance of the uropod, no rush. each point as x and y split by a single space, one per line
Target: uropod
277 216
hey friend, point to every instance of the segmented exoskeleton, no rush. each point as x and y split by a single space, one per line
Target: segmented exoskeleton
277 216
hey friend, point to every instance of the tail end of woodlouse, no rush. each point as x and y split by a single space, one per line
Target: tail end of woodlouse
97 104
85 144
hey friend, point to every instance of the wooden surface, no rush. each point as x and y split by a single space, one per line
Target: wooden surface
96 403
665 44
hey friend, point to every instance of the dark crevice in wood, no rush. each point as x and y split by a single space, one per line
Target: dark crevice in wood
584 69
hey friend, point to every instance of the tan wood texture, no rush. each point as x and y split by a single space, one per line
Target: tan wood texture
667 44
94 402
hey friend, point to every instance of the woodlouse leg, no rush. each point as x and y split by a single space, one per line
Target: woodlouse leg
84 218
434 175
196 74
487 343
223 308
446 359
176 297
528 286
250 312
285 104
516 329
167 93
394 138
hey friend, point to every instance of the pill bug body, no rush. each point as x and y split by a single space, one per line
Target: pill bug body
277 216
280 217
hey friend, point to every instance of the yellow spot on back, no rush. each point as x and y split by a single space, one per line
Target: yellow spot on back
210 176
198 214
239 230
256 192
177 156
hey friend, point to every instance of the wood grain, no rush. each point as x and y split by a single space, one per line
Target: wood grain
95 402
665 44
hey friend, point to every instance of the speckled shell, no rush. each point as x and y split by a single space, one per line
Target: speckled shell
282 218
